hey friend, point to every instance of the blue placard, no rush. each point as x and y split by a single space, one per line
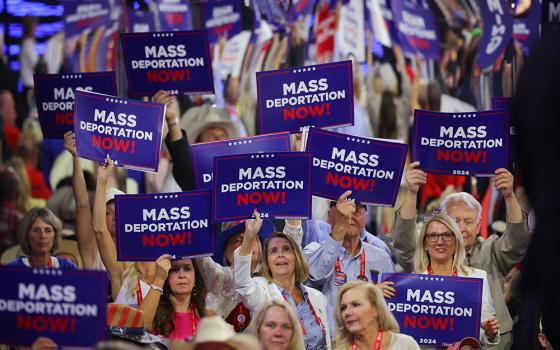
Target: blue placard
150 225
68 306
371 168
550 16
320 95
526 30
174 15
474 143
276 184
138 21
54 94
496 33
506 103
175 61
436 310
222 18
130 131
387 13
300 9
416 28
203 153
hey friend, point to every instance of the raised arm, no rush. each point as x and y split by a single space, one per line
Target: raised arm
105 243
177 142
322 257
87 246
253 295
404 239
510 248
151 300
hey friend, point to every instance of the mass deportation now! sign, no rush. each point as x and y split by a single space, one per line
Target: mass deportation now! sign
320 95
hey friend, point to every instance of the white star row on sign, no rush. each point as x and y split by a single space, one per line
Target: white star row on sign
166 196
431 278
116 162
464 115
299 70
161 35
257 156
72 76
358 140
235 143
47 272
116 101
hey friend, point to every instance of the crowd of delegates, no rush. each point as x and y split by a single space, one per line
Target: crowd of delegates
291 284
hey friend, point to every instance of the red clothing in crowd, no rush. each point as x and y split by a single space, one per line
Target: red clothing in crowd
436 185
11 134
39 187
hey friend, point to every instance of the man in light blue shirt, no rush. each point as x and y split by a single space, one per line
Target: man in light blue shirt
343 257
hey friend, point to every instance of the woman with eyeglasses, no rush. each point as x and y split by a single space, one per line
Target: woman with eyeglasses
441 251
283 270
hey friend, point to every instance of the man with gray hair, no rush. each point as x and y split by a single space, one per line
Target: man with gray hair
495 255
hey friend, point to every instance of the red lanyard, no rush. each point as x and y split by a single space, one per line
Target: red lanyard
377 345
139 293
317 319
193 319
431 272
362 263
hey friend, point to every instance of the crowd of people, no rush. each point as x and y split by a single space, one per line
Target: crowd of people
280 284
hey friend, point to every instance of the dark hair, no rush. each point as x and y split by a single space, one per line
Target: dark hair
10 187
388 116
163 319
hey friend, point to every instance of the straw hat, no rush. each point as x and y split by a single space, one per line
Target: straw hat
215 333
110 194
197 119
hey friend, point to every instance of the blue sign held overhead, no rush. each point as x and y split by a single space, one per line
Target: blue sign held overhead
474 143
150 225
320 95
54 94
371 168
203 153
130 131
276 184
174 61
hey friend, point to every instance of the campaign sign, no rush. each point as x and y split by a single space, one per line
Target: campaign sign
550 16
496 33
150 225
436 310
320 95
506 103
174 15
175 61
474 143
54 94
276 184
203 153
139 21
222 18
68 306
387 13
84 14
130 131
371 168
526 30
416 27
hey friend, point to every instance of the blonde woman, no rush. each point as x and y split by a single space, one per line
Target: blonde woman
364 321
283 271
440 251
277 327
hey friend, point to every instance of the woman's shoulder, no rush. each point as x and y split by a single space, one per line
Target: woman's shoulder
403 341
313 292
66 264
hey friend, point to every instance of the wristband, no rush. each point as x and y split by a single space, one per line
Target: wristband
153 286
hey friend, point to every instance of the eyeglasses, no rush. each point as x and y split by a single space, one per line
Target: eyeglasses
434 237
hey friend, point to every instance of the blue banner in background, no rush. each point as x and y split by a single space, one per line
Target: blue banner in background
140 21
371 168
54 94
475 143
496 34
130 131
150 225
174 15
526 30
222 18
203 153
436 310
276 184
174 61
506 103
320 95
416 28
68 306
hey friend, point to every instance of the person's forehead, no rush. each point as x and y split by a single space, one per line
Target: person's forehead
456 208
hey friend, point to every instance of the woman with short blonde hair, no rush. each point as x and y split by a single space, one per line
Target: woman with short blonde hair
268 324
363 319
